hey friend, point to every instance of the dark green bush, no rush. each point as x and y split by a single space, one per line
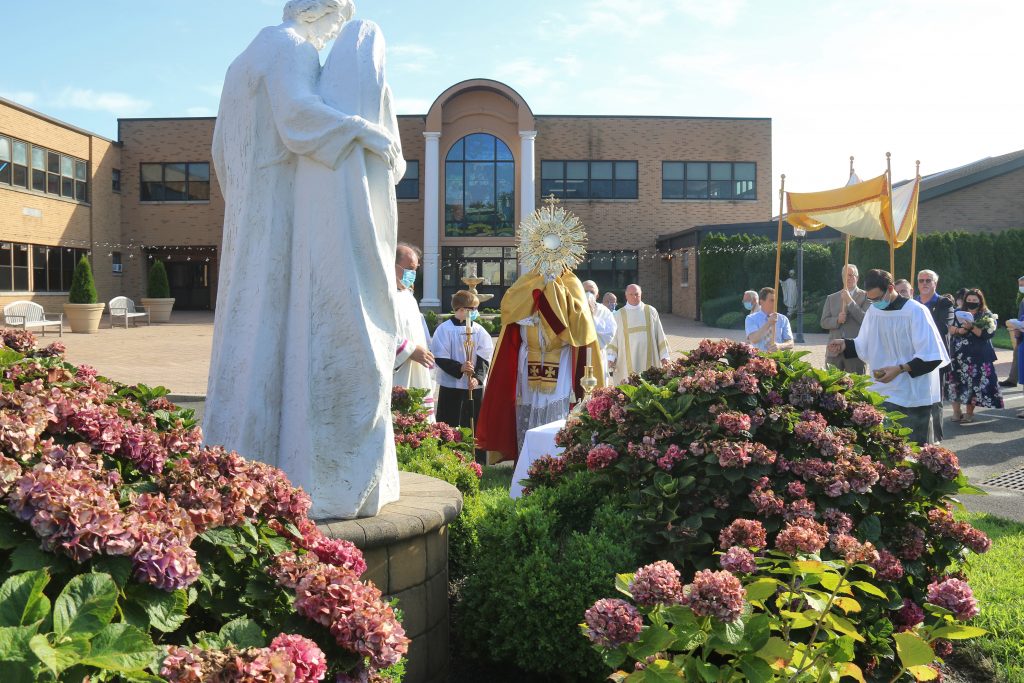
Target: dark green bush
83 289
432 321
158 287
542 561
733 320
713 309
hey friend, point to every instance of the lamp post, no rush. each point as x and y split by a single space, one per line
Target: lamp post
799 233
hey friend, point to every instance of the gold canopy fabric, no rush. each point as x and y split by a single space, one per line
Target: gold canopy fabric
861 209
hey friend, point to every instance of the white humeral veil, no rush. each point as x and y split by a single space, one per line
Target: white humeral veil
336 437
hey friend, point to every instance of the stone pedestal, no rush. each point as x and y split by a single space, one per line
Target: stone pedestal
406 550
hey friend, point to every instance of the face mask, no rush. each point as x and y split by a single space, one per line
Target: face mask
408 278
474 315
881 305
614 306
1021 290
972 305
747 305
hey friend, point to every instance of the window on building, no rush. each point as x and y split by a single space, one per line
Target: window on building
115 179
43 170
14 267
5 160
115 259
480 179
589 179
685 277
497 265
708 180
19 164
613 271
174 182
52 267
409 186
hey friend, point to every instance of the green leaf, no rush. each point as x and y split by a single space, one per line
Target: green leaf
70 652
9 536
28 557
844 625
167 611
759 630
243 632
14 642
622 582
653 639
223 536
913 650
923 673
660 671
958 632
85 605
121 647
870 589
851 670
762 589
119 568
755 670
830 581
870 528
971 490
708 672
22 600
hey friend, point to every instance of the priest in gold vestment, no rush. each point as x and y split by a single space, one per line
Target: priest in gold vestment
640 341
538 361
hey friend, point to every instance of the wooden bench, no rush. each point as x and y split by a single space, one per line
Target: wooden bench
123 307
29 315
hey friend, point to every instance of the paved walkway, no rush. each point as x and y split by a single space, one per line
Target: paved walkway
177 355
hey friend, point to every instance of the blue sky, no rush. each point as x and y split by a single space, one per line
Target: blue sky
936 80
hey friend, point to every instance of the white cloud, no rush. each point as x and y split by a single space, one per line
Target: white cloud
119 104
200 111
523 73
23 97
213 89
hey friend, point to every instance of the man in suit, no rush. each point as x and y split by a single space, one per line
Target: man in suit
842 315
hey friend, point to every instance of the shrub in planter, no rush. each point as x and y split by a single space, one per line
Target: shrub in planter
542 560
727 438
118 529
83 289
157 287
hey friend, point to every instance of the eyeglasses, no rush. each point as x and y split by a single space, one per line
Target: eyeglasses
924 279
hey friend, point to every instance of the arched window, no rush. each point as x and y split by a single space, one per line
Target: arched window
479 188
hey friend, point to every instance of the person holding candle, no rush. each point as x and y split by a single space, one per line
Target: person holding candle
458 375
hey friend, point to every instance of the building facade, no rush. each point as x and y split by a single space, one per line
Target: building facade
479 161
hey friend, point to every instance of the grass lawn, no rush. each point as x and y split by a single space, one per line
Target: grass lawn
1002 339
995 578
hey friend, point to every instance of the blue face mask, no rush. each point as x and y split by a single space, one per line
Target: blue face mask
408 278
474 315
747 305
881 304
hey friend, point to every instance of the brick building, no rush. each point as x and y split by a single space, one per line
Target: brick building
479 161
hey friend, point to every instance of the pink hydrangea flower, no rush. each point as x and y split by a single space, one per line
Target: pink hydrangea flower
888 567
309 660
656 584
802 535
716 594
601 456
739 560
939 460
733 422
954 595
866 415
747 533
612 622
908 616
731 453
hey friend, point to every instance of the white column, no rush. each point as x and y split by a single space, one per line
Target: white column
527 202
431 194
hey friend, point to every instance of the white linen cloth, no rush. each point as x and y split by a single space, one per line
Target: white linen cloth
535 408
538 442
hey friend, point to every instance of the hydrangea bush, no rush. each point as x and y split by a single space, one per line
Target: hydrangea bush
731 451
162 559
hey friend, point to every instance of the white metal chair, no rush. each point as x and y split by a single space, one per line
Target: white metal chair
123 307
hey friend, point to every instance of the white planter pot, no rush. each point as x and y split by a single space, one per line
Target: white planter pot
159 309
83 318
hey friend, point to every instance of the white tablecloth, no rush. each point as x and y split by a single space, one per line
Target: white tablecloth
538 442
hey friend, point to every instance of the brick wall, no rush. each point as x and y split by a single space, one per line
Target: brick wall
995 204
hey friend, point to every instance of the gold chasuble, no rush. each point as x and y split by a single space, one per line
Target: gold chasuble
639 342
539 358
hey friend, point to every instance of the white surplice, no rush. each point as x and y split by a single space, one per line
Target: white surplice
412 332
639 342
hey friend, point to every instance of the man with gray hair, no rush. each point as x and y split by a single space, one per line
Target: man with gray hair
751 303
941 309
842 316
640 340
413 359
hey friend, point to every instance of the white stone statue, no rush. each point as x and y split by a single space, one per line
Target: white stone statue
304 334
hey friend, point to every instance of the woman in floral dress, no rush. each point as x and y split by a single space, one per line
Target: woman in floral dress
971 380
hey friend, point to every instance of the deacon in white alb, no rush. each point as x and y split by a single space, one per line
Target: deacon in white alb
604 321
414 362
455 373
640 341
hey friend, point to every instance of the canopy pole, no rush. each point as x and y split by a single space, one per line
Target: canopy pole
778 253
892 237
846 261
851 165
913 246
